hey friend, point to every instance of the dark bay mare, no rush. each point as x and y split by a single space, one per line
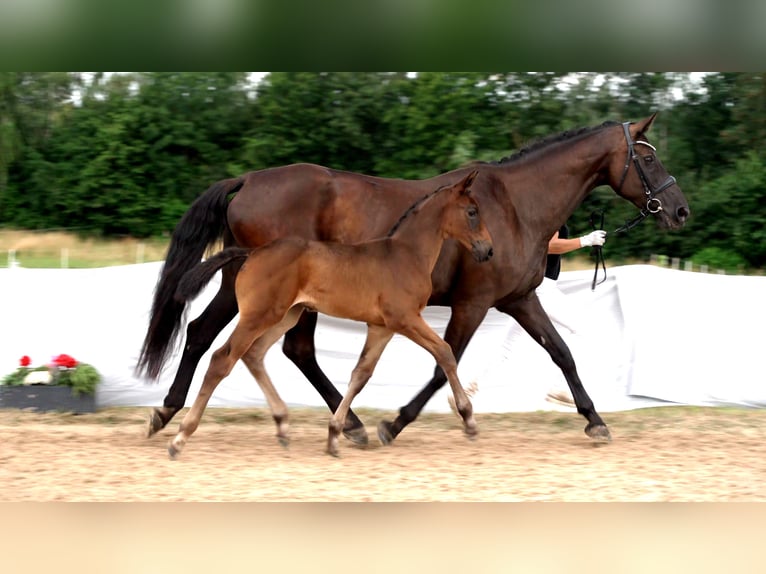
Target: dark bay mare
524 199
384 282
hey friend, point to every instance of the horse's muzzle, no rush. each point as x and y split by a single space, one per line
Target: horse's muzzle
482 250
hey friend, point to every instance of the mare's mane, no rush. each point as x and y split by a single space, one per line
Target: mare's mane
412 209
523 152
548 141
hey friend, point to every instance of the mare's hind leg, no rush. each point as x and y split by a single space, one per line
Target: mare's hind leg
535 321
464 320
421 333
299 347
377 339
254 357
200 334
221 364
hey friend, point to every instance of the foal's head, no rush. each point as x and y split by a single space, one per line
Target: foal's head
462 221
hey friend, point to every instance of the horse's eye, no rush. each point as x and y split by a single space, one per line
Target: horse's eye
648 158
472 212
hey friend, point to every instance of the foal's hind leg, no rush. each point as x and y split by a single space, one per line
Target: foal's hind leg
377 339
421 333
254 357
221 364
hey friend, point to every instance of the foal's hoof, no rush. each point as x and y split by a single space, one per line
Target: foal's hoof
283 441
332 449
357 435
385 432
598 432
173 452
471 434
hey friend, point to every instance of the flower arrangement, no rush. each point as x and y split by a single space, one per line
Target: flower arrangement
63 370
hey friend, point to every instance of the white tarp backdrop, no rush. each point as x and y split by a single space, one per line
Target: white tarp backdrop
647 336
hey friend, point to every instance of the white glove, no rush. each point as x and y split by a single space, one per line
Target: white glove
596 238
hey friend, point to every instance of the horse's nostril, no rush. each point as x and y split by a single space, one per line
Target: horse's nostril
490 253
682 213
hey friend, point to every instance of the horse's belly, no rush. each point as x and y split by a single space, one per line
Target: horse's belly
352 306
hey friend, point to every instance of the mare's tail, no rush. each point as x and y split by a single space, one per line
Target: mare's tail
197 277
201 226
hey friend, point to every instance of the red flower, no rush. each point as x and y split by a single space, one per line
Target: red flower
64 360
25 361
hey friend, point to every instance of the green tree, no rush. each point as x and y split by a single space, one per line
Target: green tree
329 118
439 121
730 214
31 105
138 150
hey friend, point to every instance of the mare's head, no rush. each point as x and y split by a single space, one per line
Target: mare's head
637 174
462 221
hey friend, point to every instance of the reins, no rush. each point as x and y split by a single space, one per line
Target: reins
653 204
597 251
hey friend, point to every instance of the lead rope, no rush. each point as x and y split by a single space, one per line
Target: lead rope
597 250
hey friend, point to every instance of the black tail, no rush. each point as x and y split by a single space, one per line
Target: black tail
202 225
197 277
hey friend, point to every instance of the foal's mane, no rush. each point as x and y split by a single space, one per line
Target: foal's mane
412 209
550 140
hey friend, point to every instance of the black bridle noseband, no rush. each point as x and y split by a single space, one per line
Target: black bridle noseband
653 204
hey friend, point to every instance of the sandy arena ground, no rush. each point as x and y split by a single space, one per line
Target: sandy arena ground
665 454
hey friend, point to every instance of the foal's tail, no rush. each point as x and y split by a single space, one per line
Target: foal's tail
197 277
201 226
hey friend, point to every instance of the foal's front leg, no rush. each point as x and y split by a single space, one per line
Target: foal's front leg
421 333
377 339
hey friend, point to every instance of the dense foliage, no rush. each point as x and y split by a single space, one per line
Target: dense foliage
125 154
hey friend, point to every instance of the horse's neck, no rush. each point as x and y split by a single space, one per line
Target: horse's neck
563 175
421 233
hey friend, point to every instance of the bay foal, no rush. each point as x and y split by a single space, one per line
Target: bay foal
385 283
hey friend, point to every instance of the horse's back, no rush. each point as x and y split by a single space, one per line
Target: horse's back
319 203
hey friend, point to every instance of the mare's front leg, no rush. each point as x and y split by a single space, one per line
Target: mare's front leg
298 346
377 339
254 360
463 323
200 334
532 317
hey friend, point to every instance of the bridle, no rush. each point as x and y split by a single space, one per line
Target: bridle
653 204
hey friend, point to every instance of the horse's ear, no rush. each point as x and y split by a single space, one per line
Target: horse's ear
469 180
643 126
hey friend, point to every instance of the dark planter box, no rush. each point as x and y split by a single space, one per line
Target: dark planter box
46 398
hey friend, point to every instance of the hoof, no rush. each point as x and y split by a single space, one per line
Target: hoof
173 452
155 423
357 435
471 434
385 434
283 441
598 433
332 451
